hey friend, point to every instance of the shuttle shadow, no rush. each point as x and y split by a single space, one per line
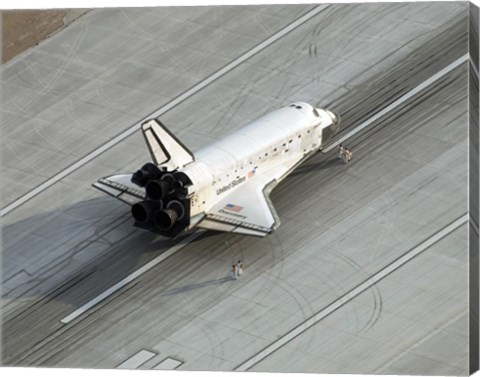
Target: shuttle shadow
73 253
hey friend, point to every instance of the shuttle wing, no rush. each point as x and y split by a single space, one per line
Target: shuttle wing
248 209
120 187
164 147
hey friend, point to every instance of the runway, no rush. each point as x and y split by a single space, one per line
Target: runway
368 272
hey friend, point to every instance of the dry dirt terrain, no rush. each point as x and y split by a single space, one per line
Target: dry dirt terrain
22 29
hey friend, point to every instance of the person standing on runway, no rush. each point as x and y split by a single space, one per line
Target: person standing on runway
234 271
348 155
239 267
340 151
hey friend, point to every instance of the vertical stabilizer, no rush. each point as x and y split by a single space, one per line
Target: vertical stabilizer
164 147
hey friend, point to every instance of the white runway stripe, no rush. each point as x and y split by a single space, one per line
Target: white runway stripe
122 283
400 101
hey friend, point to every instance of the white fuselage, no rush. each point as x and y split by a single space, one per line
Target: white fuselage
285 135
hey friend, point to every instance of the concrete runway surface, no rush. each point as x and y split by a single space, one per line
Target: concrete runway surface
368 272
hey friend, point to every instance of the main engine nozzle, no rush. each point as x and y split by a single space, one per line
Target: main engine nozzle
147 172
166 218
157 189
143 212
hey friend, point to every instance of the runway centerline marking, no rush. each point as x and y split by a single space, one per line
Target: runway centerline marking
400 100
302 327
122 283
122 136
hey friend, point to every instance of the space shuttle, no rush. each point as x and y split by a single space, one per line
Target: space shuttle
226 185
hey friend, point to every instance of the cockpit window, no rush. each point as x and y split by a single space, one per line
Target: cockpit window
298 107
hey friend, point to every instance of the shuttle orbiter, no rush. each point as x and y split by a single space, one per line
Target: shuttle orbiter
226 185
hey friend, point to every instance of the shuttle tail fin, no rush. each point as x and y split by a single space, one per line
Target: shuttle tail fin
164 147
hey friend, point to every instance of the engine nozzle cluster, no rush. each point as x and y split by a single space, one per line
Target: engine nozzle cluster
166 204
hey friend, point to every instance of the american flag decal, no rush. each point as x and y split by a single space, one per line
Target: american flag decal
233 207
251 173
